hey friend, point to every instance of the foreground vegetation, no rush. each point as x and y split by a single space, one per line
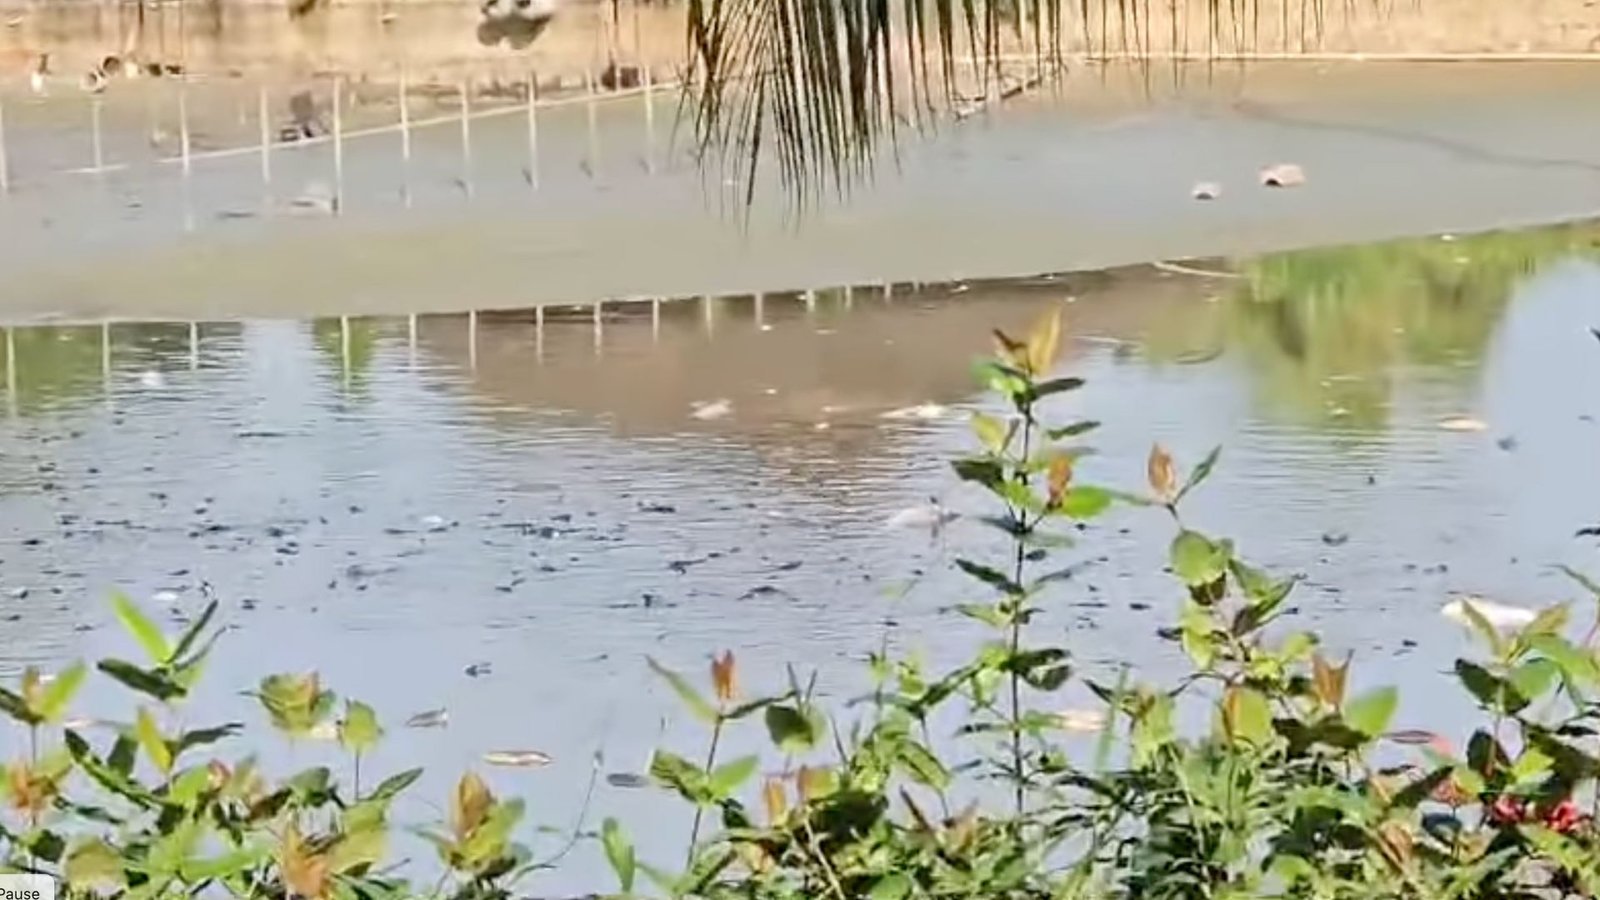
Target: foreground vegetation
1296 789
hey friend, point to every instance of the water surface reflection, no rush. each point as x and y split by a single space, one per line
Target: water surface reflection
391 500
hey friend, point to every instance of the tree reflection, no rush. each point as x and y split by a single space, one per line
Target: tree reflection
1325 333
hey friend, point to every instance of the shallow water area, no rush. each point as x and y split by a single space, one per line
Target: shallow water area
503 514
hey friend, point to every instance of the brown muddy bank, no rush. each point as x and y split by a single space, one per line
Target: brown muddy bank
443 39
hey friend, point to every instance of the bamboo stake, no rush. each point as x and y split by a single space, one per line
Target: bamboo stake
338 145
466 139
533 130
263 116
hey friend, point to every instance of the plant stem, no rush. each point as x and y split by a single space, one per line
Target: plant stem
1020 561
699 810
356 776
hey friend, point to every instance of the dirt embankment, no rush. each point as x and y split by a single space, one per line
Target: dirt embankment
445 39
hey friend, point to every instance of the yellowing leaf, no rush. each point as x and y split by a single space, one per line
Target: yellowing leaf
151 739
1247 716
1044 342
991 432
724 678
776 800
1162 474
1059 476
1328 680
305 873
470 806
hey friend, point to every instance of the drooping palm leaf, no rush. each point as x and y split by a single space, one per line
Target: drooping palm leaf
812 88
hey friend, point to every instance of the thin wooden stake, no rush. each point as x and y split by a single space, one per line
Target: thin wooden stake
5 162
11 371
405 140
194 346
466 139
649 120
538 333
533 130
599 326
411 340
95 136
263 116
183 126
338 146
760 304
472 339
655 319
592 107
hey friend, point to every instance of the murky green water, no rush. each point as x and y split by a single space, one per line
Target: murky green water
392 500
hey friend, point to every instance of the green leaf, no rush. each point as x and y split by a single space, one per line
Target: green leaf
991 432
1580 668
1248 716
1054 386
1076 429
992 577
697 704
895 886
1496 694
1534 677
922 766
202 737
58 693
619 852
793 729
1200 473
394 784
143 630
225 866
688 779
93 867
1491 634
151 684
1197 560
194 632
359 732
1371 712
1588 583
108 776
987 472
1085 502
14 706
154 744
729 777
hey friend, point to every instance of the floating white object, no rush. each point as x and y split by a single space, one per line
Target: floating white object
1462 423
1509 618
1206 190
707 410
432 718
926 412
1283 175
517 759
152 379
1082 721
929 517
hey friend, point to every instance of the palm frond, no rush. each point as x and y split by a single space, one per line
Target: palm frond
814 88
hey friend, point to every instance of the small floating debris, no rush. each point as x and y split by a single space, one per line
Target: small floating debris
478 669
1412 737
152 379
1462 424
929 516
1206 190
435 524
432 718
1499 615
627 780
1336 538
517 759
1082 721
707 410
1507 443
1283 175
926 412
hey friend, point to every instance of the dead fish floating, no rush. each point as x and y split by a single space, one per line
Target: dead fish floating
1283 175
517 759
1498 615
1464 424
432 718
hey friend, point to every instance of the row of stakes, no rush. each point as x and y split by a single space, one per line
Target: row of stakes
709 305
466 114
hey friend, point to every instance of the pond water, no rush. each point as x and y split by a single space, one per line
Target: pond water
391 500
